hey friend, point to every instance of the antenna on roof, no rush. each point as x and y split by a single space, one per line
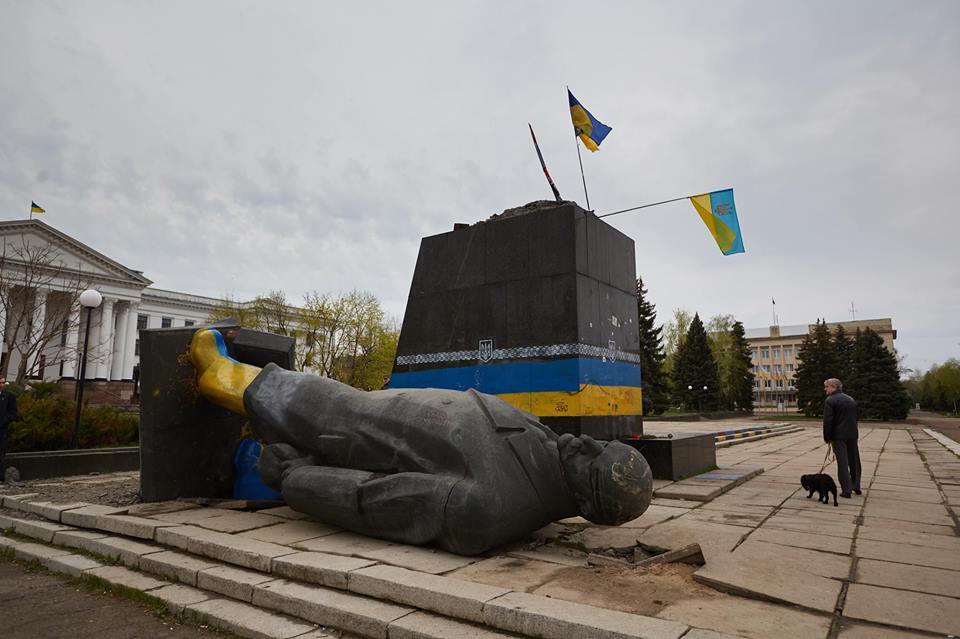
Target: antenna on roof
853 311
776 321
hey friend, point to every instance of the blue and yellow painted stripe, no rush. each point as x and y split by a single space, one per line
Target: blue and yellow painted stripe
570 387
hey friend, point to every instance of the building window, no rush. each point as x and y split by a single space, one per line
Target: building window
166 322
789 368
788 351
63 332
766 383
188 323
779 369
142 321
776 352
765 353
779 383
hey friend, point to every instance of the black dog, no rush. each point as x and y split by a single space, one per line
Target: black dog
820 483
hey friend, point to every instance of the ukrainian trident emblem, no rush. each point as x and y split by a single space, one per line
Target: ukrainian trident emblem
485 351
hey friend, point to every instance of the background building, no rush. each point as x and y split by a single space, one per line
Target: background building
774 355
41 323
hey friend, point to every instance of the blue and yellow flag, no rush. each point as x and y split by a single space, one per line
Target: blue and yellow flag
35 208
718 212
590 130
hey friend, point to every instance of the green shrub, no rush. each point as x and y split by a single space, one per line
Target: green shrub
47 419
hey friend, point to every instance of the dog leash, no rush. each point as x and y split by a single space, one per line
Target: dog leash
827 457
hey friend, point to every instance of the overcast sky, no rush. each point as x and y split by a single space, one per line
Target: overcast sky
232 148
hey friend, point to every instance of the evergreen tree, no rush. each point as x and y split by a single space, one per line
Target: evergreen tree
843 346
874 379
741 373
695 369
817 362
653 380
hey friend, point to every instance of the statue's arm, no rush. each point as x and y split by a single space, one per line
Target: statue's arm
404 507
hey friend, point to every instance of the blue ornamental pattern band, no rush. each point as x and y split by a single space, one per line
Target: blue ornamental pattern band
521 352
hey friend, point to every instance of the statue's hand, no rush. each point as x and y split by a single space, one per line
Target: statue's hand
279 460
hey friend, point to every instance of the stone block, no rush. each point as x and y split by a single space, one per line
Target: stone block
327 607
513 573
175 565
121 576
50 510
15 502
917 578
27 551
75 538
73 565
908 554
423 625
291 532
126 551
902 608
40 530
246 620
233 549
318 568
86 517
140 527
778 573
177 597
345 543
812 541
444 595
233 521
420 558
190 516
232 582
538 616
284 511
747 617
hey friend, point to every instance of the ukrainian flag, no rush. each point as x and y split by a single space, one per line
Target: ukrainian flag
718 212
590 130
35 208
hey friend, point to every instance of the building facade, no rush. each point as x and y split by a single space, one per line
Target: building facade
42 271
774 352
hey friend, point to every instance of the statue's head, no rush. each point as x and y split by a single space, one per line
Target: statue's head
610 481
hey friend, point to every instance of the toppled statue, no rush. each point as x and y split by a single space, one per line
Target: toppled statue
462 470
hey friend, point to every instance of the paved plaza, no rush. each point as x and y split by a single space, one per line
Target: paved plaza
884 564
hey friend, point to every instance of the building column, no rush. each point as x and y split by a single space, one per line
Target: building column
105 342
93 341
130 348
35 336
71 354
120 343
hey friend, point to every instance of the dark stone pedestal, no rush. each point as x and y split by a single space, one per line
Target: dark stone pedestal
683 455
186 443
537 306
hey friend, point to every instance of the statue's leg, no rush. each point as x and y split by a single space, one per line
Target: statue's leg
278 460
404 507
221 379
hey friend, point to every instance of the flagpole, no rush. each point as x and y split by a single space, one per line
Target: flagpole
576 141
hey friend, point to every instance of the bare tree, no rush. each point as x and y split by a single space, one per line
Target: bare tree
39 295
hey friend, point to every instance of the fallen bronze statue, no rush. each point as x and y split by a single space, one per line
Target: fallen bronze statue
463 471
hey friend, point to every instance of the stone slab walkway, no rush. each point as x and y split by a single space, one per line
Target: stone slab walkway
778 564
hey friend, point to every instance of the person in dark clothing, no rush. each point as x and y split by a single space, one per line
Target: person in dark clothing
8 413
840 431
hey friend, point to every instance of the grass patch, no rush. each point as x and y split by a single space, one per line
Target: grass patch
153 605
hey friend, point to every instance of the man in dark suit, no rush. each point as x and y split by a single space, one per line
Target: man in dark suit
840 430
8 413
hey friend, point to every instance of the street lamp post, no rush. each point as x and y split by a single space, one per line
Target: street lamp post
701 397
690 388
89 299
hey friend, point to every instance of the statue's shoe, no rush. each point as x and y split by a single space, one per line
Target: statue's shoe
221 379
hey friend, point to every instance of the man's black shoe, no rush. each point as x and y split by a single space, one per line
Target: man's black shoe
857 492
847 495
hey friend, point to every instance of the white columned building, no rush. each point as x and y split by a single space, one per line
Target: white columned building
42 271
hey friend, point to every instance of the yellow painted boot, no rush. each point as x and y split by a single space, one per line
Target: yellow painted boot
221 379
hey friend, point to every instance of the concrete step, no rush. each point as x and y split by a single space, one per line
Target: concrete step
750 431
366 598
753 438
